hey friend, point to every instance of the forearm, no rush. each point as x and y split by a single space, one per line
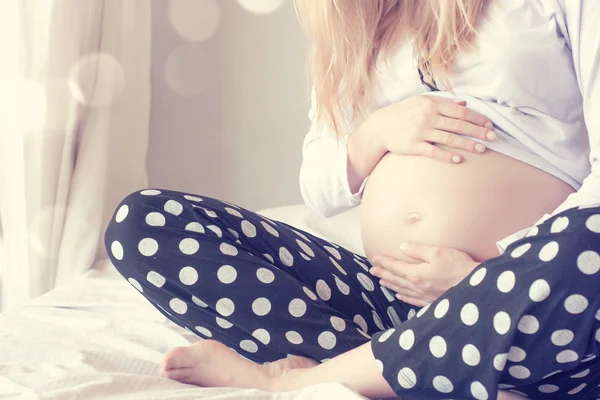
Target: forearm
365 148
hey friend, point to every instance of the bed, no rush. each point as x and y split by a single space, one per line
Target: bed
98 338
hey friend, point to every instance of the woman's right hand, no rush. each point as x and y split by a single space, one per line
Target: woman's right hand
416 126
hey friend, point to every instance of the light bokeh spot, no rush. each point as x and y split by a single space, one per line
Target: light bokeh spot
195 20
260 6
96 80
189 69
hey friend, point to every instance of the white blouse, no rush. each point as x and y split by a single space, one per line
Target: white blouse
535 74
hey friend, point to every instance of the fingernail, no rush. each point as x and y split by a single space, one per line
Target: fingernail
480 148
372 271
455 159
404 246
491 135
489 125
459 101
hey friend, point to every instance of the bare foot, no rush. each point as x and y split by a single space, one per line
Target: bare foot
212 364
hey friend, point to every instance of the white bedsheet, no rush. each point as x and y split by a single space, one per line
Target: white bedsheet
98 338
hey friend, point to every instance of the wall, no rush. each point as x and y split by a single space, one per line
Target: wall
228 112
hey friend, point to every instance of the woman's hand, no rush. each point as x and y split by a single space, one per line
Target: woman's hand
416 125
433 272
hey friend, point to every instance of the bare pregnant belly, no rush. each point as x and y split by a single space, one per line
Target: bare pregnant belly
469 206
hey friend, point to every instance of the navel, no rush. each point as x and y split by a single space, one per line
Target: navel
413 218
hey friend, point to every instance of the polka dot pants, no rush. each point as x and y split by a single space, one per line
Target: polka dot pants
261 287
527 321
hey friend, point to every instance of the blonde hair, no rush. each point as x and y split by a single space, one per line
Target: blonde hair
349 36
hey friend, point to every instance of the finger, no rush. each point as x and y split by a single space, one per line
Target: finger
453 140
376 271
461 112
394 265
420 251
411 300
398 289
399 282
461 126
429 150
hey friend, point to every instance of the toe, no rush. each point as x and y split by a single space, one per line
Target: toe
177 357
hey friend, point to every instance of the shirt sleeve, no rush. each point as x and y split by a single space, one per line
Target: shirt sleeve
578 23
324 171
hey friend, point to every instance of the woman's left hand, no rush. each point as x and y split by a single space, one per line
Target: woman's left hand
436 269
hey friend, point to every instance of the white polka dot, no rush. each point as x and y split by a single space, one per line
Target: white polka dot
559 225
519 372
309 293
393 315
588 262
386 335
516 354
305 248
264 275
261 306
366 300
199 302
209 213
269 229
548 388
407 339
148 247
248 229
593 223
286 257
360 321
155 219
338 266
293 337
519 251
363 333
423 310
297 308
323 290
342 287
377 320
361 264
262 336
249 346
471 355
195 227
576 304
156 279
178 306
188 275
303 236
227 274
225 307
528 324
192 198
203 331
442 384
552 374
379 366
150 192
307 258
327 340
597 335
233 212
539 290
338 323
581 374
411 313
549 251
478 391
441 308
116 248
389 296
333 252
122 213
506 281
502 322
173 207
577 389
438 347
500 361
469 314
223 323
407 378
269 258
228 249
532 232
478 277
566 356
216 230
233 233
365 281
136 285
189 246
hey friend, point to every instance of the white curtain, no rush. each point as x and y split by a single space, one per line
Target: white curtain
74 115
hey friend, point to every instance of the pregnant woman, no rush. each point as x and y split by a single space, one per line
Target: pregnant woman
468 117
